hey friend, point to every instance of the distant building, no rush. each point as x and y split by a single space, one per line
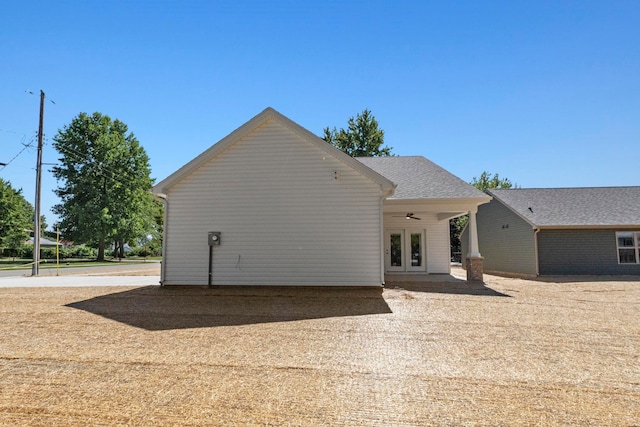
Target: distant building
561 231
44 243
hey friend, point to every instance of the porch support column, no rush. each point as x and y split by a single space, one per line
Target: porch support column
474 259
473 236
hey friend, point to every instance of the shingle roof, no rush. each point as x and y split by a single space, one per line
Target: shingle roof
419 178
574 207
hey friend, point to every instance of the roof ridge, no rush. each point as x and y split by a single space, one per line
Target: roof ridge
564 188
573 206
251 125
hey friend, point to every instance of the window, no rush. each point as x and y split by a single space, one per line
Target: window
628 243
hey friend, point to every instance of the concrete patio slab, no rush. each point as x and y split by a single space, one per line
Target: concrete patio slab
76 281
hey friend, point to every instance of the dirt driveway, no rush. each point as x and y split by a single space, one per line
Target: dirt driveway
513 352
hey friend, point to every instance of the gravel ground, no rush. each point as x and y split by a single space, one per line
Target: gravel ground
510 352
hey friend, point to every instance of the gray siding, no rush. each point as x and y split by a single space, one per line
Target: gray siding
505 240
581 252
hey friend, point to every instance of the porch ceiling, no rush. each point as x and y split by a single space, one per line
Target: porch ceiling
445 208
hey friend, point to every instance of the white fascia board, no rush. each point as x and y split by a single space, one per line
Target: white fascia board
387 186
436 205
450 215
165 184
506 205
619 227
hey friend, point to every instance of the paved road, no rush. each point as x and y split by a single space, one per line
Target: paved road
48 269
120 274
77 281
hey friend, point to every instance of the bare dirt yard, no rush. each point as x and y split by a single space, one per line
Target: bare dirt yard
511 352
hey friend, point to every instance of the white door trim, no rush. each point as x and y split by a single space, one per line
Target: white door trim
394 261
405 259
419 256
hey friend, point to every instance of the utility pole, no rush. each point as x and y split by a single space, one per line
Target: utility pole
36 222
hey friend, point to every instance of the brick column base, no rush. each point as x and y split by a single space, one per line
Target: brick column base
475 268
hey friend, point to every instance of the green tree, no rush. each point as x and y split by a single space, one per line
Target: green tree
16 217
43 225
486 181
155 241
104 182
362 138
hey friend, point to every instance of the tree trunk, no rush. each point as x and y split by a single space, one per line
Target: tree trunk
101 250
121 250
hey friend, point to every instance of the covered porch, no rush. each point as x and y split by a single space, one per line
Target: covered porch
417 244
415 229
455 283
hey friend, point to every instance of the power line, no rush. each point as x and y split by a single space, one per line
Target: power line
25 146
101 169
78 157
13 131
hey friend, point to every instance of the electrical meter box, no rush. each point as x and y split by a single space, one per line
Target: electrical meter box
214 238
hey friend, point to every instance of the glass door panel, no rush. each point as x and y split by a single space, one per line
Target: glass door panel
404 250
415 248
394 251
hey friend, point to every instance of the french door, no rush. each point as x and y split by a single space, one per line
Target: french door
405 250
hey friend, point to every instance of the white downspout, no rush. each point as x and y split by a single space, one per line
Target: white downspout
382 239
535 250
161 197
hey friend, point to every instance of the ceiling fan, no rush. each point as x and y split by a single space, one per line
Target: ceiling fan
409 215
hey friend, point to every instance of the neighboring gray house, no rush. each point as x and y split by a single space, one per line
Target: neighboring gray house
287 208
561 231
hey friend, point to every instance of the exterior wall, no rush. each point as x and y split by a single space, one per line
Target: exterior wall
581 252
506 241
286 217
437 244
438 247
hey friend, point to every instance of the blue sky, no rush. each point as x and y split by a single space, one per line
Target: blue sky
545 93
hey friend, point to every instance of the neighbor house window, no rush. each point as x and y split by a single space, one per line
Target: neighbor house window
628 247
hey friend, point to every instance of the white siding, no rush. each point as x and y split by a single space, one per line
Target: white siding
438 247
436 236
284 218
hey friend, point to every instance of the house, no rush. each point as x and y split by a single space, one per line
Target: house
273 204
561 231
44 243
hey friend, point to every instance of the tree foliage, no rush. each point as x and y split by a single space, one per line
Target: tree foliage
486 181
16 217
362 138
103 182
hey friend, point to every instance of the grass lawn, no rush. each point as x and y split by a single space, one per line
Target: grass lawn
513 352
20 263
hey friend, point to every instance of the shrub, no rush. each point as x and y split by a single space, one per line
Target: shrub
82 251
25 251
48 253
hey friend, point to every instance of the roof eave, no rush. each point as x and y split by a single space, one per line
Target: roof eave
164 185
387 186
462 200
587 227
515 211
